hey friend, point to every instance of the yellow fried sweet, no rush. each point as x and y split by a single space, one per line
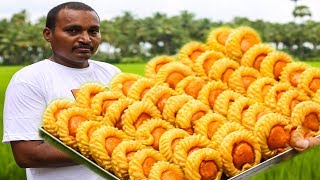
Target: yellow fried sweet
165 170
153 66
208 124
310 81
240 151
136 114
223 131
83 135
240 40
307 114
122 82
159 95
102 101
291 73
173 72
102 143
204 163
222 69
224 100
273 133
68 123
209 93
238 109
151 130
187 146
114 114
205 61
190 52
289 100
142 162
122 155
259 88
316 97
190 113
190 85
51 113
140 88
169 140
173 105
273 64
86 92
253 114
255 55
241 78
217 38
274 94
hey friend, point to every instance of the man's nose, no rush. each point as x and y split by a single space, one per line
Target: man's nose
85 37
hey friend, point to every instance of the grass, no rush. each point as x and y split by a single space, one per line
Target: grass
302 166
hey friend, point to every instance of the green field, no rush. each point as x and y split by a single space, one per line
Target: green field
302 166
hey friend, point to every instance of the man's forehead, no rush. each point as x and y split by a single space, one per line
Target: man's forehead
67 16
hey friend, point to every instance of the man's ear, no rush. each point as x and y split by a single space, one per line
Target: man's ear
47 33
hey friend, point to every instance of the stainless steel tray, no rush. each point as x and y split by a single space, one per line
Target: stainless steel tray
77 156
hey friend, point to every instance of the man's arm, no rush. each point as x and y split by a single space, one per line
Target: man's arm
37 154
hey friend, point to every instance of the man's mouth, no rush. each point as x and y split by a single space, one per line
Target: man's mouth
84 49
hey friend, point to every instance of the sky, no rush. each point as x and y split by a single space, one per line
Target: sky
216 10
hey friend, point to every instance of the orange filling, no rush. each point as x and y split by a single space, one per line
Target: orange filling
212 128
279 65
279 94
257 62
265 89
130 155
293 103
194 118
226 75
242 154
140 119
213 96
294 78
157 133
158 66
193 149
311 121
193 88
171 175
126 86
144 92
74 123
208 63
195 54
91 130
208 170
56 114
111 143
222 37
278 138
247 80
174 78
314 84
106 104
245 43
162 100
174 143
147 164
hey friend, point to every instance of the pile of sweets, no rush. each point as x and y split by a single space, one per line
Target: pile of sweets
219 107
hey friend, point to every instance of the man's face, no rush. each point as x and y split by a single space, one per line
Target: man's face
75 38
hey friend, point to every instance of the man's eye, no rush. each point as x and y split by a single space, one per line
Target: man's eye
72 31
94 31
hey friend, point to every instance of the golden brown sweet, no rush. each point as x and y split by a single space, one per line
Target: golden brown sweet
51 114
208 124
153 66
275 93
238 109
189 113
142 162
241 78
190 52
259 88
172 73
253 114
122 155
291 73
217 38
136 114
310 81
240 151
86 92
102 101
224 100
151 130
102 143
273 64
165 170
255 55
209 93
316 97
140 88
190 85
222 69
122 82
169 140
240 40
273 132
205 163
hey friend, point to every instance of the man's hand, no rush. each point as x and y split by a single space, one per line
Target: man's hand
300 140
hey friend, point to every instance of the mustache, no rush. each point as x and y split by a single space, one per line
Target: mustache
83 46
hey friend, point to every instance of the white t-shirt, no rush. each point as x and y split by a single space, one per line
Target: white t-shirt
30 91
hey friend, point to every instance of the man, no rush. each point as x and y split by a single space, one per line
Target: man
72 29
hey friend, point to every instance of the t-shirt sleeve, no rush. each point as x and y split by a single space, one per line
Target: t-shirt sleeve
23 108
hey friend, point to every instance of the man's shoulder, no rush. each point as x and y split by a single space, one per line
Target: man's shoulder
31 71
104 65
